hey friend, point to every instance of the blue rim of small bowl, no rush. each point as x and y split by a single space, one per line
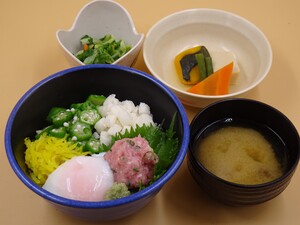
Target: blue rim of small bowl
148 191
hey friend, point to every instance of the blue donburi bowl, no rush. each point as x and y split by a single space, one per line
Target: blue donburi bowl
74 85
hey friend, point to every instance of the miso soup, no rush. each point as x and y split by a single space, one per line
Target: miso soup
241 153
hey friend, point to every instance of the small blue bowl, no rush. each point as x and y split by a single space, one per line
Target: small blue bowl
74 85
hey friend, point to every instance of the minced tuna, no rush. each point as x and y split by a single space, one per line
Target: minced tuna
132 161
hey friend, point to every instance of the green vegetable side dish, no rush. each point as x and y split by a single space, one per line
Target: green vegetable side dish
76 125
105 50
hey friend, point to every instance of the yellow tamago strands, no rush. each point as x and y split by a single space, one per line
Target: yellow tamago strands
45 154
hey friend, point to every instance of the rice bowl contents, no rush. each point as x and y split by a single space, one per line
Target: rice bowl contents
132 161
134 153
81 178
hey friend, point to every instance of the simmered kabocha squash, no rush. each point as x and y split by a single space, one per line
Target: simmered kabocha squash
193 65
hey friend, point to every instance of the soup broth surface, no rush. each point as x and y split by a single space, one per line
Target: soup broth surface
239 154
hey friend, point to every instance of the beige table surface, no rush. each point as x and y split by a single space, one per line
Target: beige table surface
29 52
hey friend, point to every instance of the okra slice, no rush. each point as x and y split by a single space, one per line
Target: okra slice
45 130
89 116
58 132
92 145
80 131
58 116
97 100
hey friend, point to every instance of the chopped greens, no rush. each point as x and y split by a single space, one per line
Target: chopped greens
105 50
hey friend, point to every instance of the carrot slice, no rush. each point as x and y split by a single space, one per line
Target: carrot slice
85 47
215 84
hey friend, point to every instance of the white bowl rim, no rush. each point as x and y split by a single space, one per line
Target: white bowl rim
141 35
217 11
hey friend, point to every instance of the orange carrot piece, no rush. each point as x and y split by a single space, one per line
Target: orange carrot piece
85 47
216 84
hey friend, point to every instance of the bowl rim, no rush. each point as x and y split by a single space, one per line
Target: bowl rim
141 36
199 165
151 189
219 12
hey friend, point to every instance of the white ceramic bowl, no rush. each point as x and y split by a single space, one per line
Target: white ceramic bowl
97 19
217 30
